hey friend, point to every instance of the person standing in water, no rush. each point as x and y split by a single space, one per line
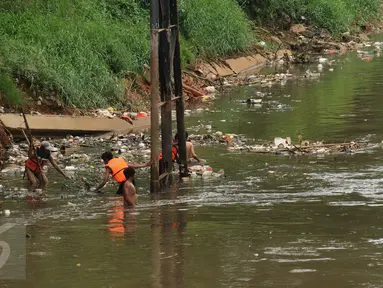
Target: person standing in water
190 153
37 159
115 167
129 190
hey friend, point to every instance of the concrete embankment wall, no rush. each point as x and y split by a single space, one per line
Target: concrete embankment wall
246 64
53 125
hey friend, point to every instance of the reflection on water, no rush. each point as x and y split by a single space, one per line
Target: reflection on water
168 246
274 221
121 221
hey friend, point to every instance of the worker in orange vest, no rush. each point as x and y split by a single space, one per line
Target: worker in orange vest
175 157
115 167
37 159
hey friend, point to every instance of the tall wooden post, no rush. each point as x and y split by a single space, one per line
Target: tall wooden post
154 115
178 90
165 88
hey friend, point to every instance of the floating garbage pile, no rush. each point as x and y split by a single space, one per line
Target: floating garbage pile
284 146
15 159
369 51
204 171
82 154
130 146
218 138
264 80
268 80
113 141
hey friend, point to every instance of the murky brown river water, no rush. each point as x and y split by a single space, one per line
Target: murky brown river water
315 222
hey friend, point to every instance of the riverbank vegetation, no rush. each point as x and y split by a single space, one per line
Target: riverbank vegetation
337 16
80 51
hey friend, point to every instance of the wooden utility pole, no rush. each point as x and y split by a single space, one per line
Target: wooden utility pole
178 90
154 112
165 89
165 57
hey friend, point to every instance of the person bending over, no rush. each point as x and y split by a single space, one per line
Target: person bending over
37 159
115 167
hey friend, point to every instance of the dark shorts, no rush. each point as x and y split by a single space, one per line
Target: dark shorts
121 188
37 174
161 166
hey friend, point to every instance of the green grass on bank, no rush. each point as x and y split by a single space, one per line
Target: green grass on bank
335 15
8 87
81 50
78 49
215 27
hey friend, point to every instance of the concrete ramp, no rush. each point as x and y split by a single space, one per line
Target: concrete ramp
52 125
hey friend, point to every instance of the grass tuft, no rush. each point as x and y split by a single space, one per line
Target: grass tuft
9 91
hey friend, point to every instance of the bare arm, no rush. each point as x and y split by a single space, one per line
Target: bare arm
106 178
54 164
195 155
136 166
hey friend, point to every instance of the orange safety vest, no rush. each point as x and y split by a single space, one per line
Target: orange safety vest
174 153
32 163
117 165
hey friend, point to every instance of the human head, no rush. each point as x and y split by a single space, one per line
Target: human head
46 146
186 136
107 156
44 150
130 173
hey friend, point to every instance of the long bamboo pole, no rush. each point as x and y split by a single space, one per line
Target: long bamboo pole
30 138
154 115
165 89
178 91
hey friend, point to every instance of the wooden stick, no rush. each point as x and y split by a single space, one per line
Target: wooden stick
192 90
30 139
162 176
26 137
163 103
199 77
327 145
